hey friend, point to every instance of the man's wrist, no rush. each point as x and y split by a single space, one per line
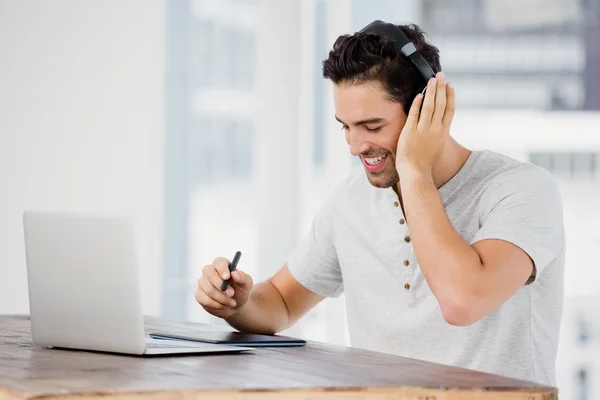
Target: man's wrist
409 172
238 311
236 318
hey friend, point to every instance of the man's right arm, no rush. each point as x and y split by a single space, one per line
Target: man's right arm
268 307
274 305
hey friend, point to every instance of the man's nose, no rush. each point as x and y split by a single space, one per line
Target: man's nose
357 143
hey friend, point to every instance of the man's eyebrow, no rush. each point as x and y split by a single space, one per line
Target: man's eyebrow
368 121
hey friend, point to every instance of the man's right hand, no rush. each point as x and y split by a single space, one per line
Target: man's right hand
212 299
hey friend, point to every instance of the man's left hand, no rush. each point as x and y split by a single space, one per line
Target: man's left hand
426 131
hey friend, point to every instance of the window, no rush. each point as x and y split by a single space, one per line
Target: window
209 135
568 165
319 108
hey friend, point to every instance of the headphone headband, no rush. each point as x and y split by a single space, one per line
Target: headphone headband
405 46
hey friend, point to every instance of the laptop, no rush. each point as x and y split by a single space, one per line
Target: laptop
84 290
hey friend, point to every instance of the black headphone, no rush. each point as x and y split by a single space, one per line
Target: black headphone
406 47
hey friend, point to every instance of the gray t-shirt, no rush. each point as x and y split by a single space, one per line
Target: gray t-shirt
359 245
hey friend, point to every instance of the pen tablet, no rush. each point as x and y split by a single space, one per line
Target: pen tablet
233 338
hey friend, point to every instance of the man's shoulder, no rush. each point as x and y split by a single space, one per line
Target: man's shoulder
504 176
503 171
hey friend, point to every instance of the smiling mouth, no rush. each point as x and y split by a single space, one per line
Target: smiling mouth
374 164
373 161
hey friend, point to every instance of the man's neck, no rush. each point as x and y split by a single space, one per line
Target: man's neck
450 162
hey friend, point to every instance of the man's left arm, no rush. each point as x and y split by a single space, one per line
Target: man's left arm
469 281
518 237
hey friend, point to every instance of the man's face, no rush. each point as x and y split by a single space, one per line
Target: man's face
372 124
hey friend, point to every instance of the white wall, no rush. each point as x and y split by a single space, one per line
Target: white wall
81 123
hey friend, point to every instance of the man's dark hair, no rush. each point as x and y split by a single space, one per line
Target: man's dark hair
365 57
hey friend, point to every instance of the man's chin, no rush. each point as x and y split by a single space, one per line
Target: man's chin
382 179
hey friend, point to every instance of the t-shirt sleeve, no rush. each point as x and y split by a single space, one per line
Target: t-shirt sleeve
526 210
314 261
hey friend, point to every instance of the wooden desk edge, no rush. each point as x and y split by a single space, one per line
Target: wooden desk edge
377 393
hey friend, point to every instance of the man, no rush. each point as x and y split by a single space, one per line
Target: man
444 254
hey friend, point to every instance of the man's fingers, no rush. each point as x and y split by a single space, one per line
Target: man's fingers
222 266
428 104
242 279
440 100
221 313
212 275
450 106
215 294
204 300
413 113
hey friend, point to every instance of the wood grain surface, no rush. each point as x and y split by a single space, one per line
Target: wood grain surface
316 371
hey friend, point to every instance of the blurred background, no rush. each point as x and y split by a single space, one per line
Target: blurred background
209 121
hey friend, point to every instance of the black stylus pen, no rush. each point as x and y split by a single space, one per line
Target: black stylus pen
232 268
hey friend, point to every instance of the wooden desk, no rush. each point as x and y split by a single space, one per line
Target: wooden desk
317 371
